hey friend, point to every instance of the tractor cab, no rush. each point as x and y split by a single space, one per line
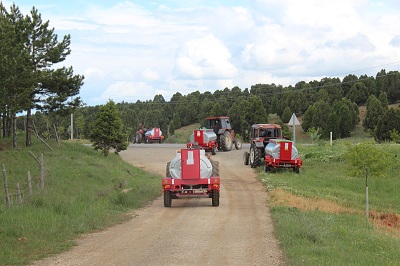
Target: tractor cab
264 132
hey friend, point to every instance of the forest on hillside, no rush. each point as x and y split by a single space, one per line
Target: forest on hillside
327 105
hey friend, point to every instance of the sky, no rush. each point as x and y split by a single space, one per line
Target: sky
133 50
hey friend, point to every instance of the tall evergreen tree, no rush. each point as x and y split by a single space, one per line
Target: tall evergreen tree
373 114
107 132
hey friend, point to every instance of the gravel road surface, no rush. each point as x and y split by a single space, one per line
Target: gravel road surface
191 232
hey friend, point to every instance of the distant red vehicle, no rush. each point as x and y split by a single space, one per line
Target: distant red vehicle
148 135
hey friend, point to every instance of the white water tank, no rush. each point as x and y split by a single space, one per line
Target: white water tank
205 166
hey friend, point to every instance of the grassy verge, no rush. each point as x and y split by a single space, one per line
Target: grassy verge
319 214
84 192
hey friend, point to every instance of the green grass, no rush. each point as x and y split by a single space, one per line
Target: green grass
182 135
84 192
322 238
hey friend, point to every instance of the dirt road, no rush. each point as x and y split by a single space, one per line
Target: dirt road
191 232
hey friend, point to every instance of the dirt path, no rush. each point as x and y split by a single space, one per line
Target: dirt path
191 232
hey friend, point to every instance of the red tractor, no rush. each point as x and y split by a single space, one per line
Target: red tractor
191 174
205 139
148 135
281 153
260 136
221 126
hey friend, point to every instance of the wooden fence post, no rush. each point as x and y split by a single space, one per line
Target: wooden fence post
41 171
5 186
30 184
19 194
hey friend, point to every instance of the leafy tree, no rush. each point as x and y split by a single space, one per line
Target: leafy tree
308 118
390 121
358 93
348 82
107 131
392 87
287 114
373 114
384 100
366 159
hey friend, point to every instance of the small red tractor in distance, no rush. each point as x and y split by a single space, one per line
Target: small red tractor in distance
260 135
281 153
205 139
191 174
148 135
221 126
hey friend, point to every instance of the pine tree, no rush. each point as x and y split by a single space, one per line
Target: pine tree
107 131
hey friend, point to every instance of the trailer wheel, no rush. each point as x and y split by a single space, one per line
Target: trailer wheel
238 144
167 172
138 138
255 156
215 168
167 198
296 169
214 150
226 141
267 168
215 198
246 156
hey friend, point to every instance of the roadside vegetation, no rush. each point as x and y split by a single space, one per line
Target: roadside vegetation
84 192
320 214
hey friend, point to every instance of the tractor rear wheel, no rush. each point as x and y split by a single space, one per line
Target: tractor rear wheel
215 168
215 198
255 156
238 144
246 156
226 141
167 198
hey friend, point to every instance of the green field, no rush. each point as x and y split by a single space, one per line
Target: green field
320 214
84 192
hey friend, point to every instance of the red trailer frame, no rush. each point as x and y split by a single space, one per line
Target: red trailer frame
156 137
285 160
191 184
210 146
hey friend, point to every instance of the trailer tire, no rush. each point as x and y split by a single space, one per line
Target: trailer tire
267 168
215 198
167 198
167 172
238 144
226 141
138 138
296 169
255 156
215 168
246 156
214 150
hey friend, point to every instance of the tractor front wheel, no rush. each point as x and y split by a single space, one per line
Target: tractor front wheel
215 198
238 144
246 156
167 198
255 156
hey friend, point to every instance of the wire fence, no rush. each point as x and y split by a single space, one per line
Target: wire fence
20 193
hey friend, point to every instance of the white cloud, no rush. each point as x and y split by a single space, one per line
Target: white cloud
205 58
128 51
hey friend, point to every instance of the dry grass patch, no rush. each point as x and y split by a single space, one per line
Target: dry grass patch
280 197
